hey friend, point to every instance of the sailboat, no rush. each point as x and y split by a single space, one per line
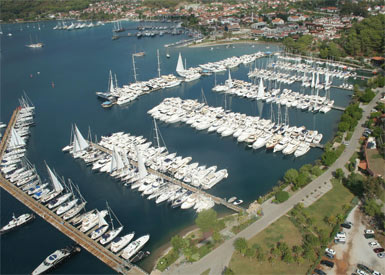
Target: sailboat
118 27
179 67
76 208
110 235
34 45
79 143
58 187
70 204
102 227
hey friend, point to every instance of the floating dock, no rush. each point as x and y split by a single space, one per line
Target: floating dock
217 200
117 263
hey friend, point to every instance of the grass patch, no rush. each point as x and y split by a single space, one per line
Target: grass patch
348 135
167 260
284 231
238 228
330 204
206 272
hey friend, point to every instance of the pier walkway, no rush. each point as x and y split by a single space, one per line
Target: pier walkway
217 200
120 265
339 108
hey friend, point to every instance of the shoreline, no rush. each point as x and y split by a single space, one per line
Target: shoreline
165 248
226 42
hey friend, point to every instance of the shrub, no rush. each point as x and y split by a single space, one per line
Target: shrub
281 196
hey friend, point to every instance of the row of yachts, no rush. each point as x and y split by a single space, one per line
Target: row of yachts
153 171
255 131
76 25
314 62
61 198
128 93
306 68
286 97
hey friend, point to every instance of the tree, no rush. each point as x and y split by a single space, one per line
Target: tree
177 243
207 220
228 271
371 208
281 196
339 174
240 244
302 179
343 126
290 176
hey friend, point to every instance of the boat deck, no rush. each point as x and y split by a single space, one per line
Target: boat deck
217 200
118 264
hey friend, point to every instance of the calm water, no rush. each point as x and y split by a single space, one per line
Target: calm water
78 62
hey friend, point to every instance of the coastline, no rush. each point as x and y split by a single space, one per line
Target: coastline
165 248
227 42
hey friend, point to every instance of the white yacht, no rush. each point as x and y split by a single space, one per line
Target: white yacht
110 235
74 211
92 220
121 242
134 247
16 222
54 259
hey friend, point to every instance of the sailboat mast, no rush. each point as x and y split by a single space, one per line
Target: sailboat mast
156 133
133 64
157 53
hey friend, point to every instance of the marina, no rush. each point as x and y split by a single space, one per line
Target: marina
75 101
11 142
153 171
128 93
254 131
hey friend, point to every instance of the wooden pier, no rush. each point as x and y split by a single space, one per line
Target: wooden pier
217 200
117 263
342 88
339 108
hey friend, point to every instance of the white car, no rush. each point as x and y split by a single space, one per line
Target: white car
369 231
361 272
376 273
330 251
341 235
373 244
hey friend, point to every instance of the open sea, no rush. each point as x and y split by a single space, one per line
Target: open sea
77 62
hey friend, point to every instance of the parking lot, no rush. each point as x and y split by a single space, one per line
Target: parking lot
356 250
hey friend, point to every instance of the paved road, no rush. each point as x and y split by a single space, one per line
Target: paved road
218 259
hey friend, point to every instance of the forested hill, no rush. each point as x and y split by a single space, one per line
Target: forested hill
33 9
366 37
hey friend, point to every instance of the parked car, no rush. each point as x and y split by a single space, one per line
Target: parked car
365 268
327 263
376 273
330 256
346 225
361 272
381 255
330 251
369 231
373 244
341 235
319 272
369 236
378 250
339 240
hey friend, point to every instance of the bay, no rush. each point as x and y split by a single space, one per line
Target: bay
77 63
